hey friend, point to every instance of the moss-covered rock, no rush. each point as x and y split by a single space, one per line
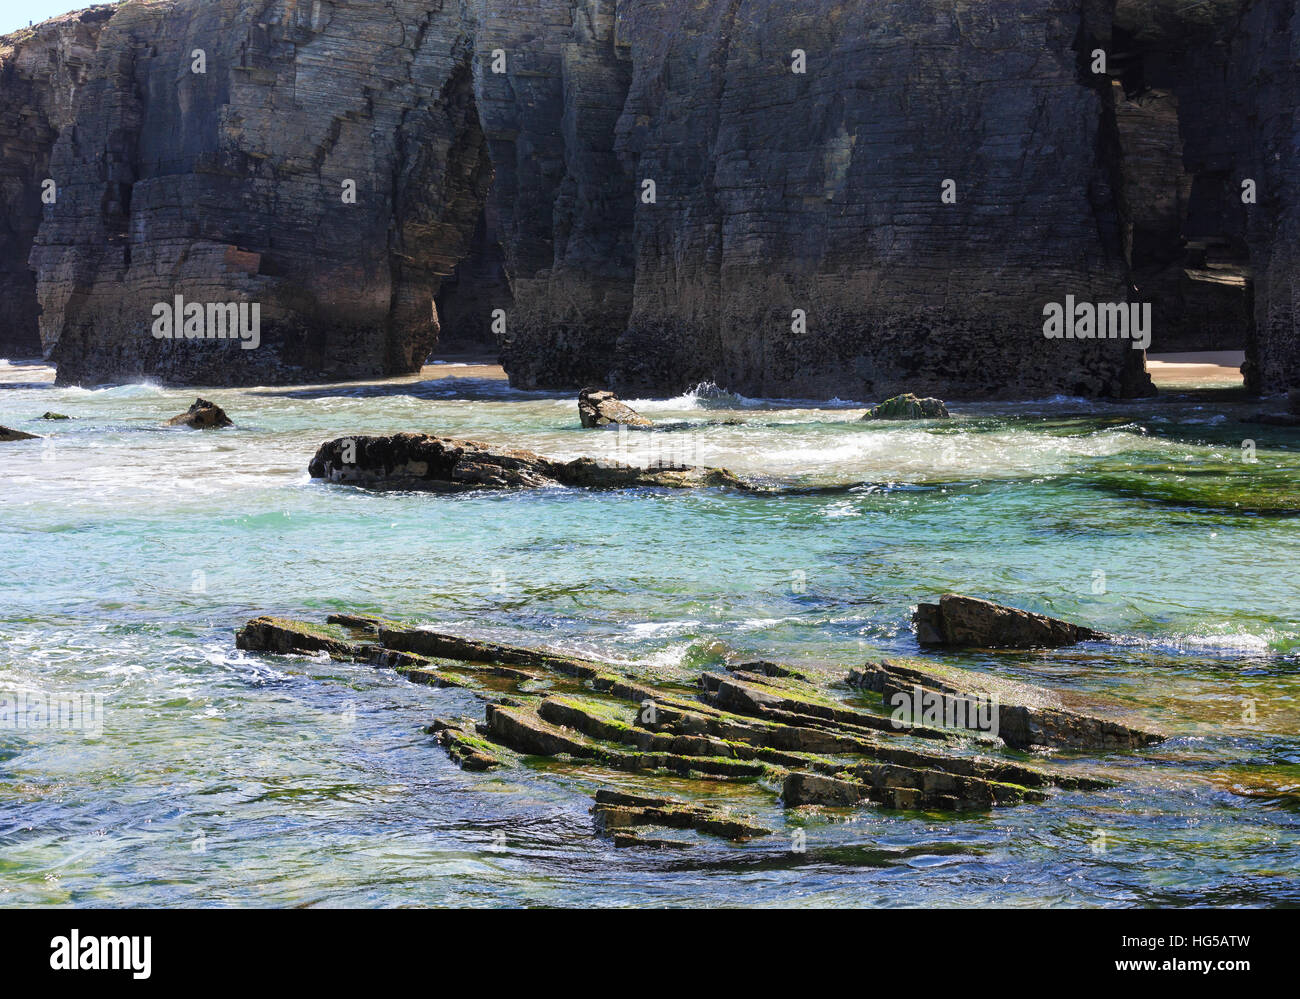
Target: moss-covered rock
908 407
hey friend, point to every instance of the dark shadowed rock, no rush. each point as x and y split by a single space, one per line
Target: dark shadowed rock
9 434
974 623
202 415
908 407
1293 402
598 408
438 464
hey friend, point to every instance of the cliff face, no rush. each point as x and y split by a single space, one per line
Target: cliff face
648 195
231 184
41 72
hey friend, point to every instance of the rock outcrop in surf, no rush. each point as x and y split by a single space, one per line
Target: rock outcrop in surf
440 464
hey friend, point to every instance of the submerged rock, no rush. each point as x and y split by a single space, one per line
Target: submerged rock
598 408
9 434
438 464
974 623
202 415
908 407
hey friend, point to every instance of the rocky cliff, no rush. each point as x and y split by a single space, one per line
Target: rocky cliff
829 198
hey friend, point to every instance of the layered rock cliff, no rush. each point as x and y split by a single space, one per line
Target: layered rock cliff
651 193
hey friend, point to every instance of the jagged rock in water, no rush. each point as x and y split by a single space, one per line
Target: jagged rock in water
908 407
8 434
202 415
597 408
437 464
973 623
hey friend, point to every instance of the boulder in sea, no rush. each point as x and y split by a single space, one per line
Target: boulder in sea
55 416
439 464
202 415
8 434
599 408
908 407
973 623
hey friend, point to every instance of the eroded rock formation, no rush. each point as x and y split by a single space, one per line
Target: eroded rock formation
821 743
648 194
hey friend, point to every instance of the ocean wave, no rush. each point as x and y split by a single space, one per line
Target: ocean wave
705 395
133 390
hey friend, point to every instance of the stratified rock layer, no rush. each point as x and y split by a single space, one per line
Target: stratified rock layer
762 732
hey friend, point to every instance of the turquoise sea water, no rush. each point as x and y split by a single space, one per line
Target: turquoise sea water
131 553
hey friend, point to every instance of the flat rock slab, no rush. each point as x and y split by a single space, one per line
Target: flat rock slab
969 622
439 464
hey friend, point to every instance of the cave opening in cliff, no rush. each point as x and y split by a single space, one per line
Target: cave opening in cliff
477 291
1183 215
